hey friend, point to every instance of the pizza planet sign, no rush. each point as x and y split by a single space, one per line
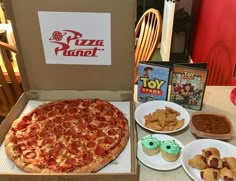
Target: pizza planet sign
83 47
66 42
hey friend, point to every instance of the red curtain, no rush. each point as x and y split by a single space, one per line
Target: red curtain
215 40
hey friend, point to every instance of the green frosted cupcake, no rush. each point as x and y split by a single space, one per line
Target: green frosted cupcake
151 145
170 150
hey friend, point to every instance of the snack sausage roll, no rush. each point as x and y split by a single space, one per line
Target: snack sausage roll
227 174
230 163
199 162
210 151
210 174
214 161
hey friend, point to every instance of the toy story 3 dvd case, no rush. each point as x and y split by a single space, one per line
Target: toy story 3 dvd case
188 85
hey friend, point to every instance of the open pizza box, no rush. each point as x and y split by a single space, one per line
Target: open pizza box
75 49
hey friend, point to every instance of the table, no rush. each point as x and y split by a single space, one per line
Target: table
216 100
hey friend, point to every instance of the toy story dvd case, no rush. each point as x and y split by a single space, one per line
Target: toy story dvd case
153 80
188 85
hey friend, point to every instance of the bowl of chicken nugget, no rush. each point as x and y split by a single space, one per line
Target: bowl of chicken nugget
162 116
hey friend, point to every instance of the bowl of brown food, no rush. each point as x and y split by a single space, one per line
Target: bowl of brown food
208 125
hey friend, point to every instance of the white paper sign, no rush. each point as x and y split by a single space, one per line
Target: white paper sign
76 37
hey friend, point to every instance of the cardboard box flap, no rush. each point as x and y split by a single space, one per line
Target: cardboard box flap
39 75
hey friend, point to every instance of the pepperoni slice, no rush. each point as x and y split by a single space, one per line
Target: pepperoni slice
47 140
73 151
47 108
41 118
82 125
57 150
75 144
57 120
23 124
87 158
108 140
109 112
51 161
58 146
45 133
70 132
100 151
34 126
32 142
100 133
58 131
27 118
72 110
85 110
49 125
102 125
33 133
39 111
67 124
71 160
62 111
59 107
91 144
100 107
89 136
86 103
76 102
92 127
112 132
52 114
68 117
121 123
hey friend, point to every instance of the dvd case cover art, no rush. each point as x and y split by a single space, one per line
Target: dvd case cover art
153 82
188 86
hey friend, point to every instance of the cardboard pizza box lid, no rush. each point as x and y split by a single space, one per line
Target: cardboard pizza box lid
30 23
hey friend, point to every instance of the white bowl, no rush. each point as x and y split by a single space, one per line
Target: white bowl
151 106
195 147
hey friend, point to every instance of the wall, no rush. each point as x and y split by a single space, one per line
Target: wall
179 38
215 40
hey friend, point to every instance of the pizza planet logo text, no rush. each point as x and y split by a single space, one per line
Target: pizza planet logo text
72 43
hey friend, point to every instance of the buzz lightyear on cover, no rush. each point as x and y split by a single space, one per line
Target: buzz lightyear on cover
152 82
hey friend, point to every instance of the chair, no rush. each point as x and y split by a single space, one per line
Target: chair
2 16
147 33
10 88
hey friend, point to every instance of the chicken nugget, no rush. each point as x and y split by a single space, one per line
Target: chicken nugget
179 124
172 110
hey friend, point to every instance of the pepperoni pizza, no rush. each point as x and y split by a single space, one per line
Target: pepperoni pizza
79 136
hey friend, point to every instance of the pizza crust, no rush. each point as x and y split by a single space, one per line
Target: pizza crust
32 169
8 138
19 163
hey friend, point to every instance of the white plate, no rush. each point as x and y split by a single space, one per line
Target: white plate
195 147
151 106
156 161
